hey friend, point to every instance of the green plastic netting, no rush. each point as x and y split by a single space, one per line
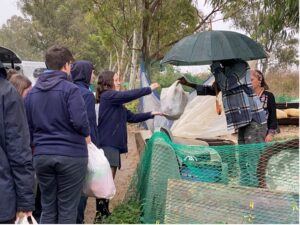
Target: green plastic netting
256 183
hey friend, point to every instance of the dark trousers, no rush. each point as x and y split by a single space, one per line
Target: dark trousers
81 209
38 206
12 221
61 180
249 156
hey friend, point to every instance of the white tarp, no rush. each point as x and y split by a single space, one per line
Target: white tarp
199 120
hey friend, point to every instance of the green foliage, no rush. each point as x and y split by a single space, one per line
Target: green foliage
15 35
133 106
62 22
273 23
156 23
170 75
125 213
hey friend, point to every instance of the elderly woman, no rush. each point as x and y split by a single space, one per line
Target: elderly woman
267 98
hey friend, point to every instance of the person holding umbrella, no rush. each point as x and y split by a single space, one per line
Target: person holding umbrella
243 109
227 53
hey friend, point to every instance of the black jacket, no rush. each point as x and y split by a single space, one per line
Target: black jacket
16 171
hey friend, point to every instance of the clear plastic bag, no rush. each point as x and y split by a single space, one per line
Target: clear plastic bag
173 101
99 180
26 220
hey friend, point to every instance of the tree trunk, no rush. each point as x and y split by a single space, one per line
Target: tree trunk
265 66
133 62
110 61
145 32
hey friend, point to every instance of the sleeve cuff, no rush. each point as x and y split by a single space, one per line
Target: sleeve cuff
272 132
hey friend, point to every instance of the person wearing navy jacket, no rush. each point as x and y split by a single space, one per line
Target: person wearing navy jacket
112 122
60 131
82 73
16 170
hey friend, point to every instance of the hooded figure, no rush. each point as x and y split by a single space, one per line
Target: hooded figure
81 73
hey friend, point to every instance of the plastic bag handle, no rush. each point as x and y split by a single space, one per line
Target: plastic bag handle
26 220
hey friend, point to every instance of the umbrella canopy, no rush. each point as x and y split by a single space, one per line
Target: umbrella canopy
204 47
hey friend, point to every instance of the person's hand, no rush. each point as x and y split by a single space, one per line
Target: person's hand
269 138
182 81
21 214
154 86
157 114
215 65
88 140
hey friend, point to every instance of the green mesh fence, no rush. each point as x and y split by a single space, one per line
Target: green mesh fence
256 183
285 98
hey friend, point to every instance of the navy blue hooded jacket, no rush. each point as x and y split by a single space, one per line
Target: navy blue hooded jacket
81 75
16 170
57 116
113 117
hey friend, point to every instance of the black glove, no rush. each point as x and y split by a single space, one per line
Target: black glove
183 81
215 65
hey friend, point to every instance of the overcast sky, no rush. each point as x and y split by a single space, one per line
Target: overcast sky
8 9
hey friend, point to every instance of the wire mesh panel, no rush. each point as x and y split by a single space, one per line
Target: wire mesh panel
198 202
254 183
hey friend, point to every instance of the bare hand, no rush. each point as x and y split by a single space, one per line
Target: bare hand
157 114
88 140
183 81
154 86
21 214
269 138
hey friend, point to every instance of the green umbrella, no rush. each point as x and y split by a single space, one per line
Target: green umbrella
204 47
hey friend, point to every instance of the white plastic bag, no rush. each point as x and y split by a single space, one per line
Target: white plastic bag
99 181
173 101
24 220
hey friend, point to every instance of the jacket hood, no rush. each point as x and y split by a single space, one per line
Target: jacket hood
50 79
81 71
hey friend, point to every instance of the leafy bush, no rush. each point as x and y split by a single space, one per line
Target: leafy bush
170 75
133 106
128 213
284 85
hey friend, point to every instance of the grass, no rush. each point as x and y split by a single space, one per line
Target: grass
284 85
125 213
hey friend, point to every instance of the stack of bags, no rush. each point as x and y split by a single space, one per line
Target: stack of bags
287 113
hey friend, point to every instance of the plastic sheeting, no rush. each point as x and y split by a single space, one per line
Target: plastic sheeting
199 120
151 103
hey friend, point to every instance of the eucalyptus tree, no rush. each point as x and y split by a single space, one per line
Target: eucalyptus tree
15 34
273 23
63 22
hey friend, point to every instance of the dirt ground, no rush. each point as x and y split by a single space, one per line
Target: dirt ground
130 161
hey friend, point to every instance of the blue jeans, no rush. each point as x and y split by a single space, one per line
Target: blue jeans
61 180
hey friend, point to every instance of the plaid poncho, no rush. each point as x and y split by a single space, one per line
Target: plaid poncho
241 104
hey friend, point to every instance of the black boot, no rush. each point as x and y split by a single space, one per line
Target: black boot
102 210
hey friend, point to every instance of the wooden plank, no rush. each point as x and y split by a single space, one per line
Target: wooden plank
197 202
287 105
289 121
141 137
